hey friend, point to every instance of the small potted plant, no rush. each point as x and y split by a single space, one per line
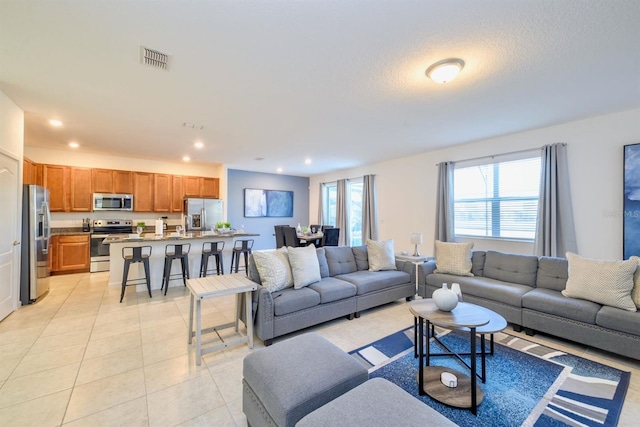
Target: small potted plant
140 227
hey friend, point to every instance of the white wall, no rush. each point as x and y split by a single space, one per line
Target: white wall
407 186
11 128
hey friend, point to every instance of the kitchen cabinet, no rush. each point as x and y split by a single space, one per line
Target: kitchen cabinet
111 181
191 186
53 253
161 193
56 179
122 182
71 188
209 187
28 172
102 180
80 199
177 194
71 253
143 192
195 186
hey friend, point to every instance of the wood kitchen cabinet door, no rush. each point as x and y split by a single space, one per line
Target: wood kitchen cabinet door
122 182
142 192
161 193
28 171
177 194
53 253
102 180
56 179
209 187
80 200
73 253
191 186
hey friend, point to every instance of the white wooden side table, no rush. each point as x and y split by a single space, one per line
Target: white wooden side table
416 260
217 286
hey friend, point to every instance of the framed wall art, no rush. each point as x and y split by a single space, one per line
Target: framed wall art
631 201
267 203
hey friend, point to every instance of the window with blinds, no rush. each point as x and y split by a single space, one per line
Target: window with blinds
498 199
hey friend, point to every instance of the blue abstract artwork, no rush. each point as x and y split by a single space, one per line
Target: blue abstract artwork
631 209
273 203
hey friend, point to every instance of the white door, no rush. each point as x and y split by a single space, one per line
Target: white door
9 226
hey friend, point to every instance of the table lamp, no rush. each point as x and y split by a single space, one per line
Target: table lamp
416 239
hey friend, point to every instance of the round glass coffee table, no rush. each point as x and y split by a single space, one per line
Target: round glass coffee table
465 317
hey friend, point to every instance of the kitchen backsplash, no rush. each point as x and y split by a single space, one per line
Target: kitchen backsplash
68 220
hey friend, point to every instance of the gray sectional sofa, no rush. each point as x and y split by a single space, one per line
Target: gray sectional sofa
347 287
526 291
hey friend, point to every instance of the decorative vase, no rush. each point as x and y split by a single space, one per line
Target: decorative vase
445 298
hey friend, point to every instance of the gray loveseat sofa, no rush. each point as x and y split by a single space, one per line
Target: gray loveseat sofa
526 291
347 287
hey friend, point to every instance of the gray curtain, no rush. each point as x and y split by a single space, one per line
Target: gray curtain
321 204
342 220
369 209
555 230
444 203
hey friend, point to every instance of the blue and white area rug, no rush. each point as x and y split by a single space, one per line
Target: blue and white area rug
527 384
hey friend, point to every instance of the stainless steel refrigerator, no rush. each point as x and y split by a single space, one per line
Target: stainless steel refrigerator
202 214
36 235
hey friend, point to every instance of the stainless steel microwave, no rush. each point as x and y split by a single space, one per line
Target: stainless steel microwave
112 202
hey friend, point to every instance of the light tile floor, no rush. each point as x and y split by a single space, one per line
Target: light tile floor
80 358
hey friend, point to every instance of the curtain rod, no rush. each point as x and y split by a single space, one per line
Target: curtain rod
349 179
492 156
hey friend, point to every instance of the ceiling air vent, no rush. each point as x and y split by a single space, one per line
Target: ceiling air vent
154 58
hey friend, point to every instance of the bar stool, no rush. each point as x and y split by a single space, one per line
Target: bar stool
172 252
211 249
131 255
242 246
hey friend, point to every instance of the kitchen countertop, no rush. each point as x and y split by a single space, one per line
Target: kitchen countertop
152 237
68 231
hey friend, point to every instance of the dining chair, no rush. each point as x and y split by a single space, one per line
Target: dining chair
279 235
331 236
290 237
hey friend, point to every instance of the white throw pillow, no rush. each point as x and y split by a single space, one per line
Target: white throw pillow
274 269
381 255
304 266
635 292
604 282
453 258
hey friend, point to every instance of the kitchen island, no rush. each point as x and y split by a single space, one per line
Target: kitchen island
156 261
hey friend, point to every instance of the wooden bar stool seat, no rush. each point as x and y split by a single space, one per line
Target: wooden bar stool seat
132 255
213 249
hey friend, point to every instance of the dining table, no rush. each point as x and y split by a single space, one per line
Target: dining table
308 238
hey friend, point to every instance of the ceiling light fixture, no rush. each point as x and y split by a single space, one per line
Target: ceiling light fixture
73 144
446 70
198 144
54 122
307 161
279 170
186 158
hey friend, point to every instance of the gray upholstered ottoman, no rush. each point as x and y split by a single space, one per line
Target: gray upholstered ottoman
376 403
286 381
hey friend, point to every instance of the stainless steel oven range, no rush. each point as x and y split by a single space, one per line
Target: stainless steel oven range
101 229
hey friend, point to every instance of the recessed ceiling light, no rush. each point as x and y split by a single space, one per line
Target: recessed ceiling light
279 170
446 70
186 158
54 122
198 144
74 144
307 161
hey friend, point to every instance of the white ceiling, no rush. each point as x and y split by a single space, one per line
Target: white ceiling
339 81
